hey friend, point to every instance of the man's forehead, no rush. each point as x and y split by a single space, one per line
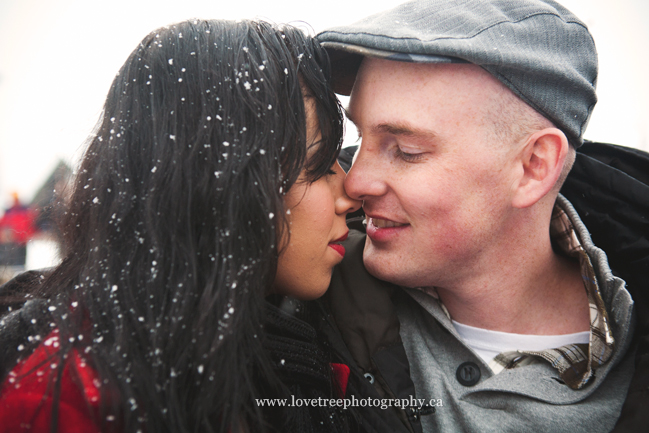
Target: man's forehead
379 77
401 83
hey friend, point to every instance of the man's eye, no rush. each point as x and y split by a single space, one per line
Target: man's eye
408 157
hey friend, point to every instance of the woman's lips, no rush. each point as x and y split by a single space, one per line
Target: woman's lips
338 248
336 244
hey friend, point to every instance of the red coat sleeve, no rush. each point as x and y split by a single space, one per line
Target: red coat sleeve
26 398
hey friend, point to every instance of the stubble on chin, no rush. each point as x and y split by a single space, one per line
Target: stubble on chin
378 264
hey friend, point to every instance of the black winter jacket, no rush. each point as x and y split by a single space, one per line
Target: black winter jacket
609 188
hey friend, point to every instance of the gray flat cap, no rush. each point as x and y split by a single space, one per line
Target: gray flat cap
537 48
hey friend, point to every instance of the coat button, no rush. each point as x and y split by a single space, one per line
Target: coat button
468 374
369 377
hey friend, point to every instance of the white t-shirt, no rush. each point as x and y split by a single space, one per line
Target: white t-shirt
488 343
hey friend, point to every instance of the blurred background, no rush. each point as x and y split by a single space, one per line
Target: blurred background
58 58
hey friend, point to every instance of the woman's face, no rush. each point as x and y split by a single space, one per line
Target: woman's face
316 218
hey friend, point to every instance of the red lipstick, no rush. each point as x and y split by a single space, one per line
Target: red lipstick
335 245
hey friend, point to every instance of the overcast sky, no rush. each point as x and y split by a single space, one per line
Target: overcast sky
58 58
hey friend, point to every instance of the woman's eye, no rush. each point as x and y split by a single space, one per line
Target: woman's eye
408 157
331 171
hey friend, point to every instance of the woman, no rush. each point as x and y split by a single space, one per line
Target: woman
210 184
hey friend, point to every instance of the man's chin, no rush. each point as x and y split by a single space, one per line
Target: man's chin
385 266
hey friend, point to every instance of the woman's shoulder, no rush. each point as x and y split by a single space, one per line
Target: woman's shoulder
28 393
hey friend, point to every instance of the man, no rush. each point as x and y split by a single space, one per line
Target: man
486 296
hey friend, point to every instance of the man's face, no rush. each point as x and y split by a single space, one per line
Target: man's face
435 181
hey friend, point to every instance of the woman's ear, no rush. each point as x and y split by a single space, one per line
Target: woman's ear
542 159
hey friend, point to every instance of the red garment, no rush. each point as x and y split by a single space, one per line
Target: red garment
341 376
26 397
17 224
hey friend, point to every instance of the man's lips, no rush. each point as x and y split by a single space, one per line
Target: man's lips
381 223
383 229
335 245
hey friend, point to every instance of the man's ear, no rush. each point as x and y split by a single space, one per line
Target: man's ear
542 159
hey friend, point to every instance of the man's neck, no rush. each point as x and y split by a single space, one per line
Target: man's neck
529 291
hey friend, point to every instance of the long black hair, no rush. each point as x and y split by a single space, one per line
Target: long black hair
171 233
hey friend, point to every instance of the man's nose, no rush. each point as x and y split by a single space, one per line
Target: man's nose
343 203
366 178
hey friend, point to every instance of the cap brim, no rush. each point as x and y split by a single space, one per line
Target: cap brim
346 59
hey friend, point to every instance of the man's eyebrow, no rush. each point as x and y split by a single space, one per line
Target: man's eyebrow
398 128
404 130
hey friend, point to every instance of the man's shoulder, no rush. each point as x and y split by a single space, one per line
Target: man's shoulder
360 303
365 333
609 188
